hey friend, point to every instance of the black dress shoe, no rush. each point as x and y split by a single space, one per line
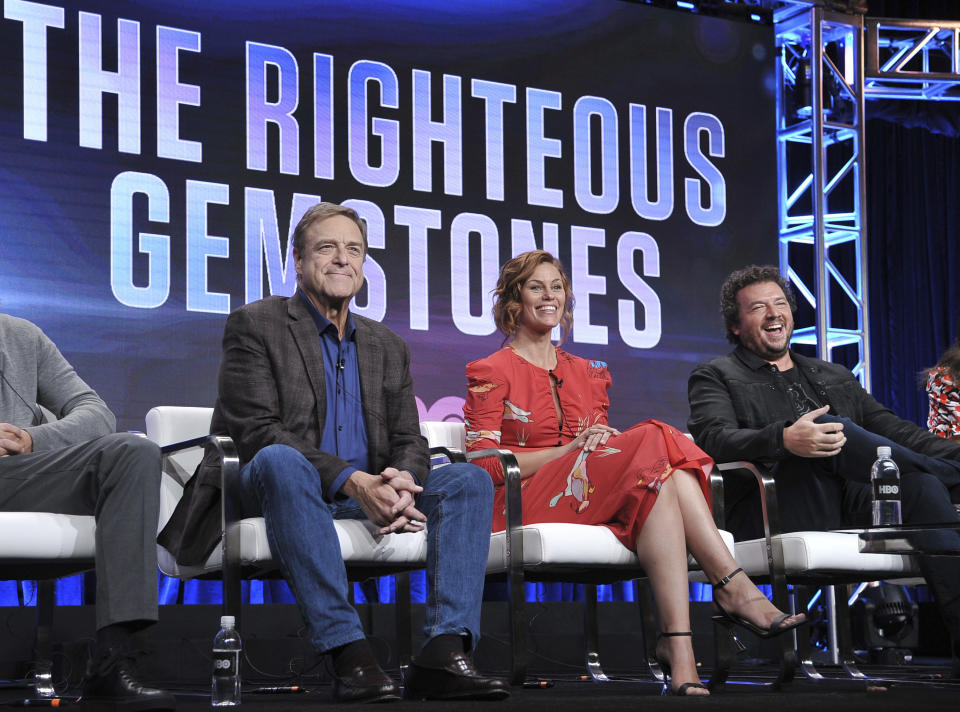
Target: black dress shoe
111 682
458 679
365 683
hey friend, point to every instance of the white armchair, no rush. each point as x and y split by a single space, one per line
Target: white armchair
810 559
244 552
577 553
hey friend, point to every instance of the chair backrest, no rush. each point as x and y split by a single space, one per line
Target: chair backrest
445 433
166 425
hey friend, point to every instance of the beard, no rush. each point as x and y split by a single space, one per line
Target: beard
764 347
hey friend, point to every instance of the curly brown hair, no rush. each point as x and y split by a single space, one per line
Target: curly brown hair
751 274
507 300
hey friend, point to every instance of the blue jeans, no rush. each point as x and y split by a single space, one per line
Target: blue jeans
280 484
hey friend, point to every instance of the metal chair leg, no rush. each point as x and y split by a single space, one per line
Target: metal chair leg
648 627
591 635
404 623
518 630
845 636
802 594
43 647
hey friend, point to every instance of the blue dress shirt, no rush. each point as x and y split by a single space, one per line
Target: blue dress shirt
344 430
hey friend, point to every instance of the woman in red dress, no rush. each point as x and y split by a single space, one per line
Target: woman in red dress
647 484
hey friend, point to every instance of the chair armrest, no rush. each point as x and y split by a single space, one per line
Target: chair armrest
180 471
776 562
768 492
454 454
512 479
229 479
184 444
226 453
514 508
716 498
230 518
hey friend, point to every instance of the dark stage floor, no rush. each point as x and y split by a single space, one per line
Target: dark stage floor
177 657
908 688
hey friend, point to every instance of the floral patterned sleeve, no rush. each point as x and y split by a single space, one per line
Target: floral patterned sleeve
602 381
483 414
944 415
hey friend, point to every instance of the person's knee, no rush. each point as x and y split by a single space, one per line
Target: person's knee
845 422
281 463
467 479
924 498
134 445
133 456
276 454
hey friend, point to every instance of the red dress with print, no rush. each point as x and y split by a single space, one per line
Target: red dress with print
510 405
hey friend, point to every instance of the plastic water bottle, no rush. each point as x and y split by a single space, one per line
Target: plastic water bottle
225 689
885 477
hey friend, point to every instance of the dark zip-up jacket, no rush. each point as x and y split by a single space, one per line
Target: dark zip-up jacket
739 407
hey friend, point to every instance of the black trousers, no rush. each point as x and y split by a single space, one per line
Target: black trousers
116 478
817 494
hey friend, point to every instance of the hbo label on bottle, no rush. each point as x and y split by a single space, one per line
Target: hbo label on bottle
225 663
886 489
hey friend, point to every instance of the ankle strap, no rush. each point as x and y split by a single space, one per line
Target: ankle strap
685 633
726 579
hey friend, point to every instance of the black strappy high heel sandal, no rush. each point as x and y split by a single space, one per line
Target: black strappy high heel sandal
726 618
664 663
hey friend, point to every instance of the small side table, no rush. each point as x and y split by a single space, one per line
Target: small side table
927 539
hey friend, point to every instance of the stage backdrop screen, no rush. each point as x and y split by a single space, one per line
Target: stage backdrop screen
156 156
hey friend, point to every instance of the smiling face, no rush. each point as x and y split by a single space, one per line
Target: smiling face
765 320
542 298
330 267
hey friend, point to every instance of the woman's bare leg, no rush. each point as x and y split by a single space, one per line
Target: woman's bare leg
662 550
740 595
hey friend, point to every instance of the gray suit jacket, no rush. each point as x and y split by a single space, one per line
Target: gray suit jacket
272 391
35 372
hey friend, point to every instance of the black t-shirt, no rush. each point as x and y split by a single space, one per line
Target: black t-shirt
800 399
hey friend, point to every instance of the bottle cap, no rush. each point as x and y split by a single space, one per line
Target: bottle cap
227 621
883 451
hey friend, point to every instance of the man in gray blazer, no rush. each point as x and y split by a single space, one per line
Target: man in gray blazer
320 404
76 464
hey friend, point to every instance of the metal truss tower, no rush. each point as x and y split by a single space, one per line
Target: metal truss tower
821 172
912 59
830 62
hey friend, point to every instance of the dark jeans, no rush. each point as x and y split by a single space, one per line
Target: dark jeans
835 492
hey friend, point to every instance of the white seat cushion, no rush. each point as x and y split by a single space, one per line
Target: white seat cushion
43 535
561 546
359 544
827 553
